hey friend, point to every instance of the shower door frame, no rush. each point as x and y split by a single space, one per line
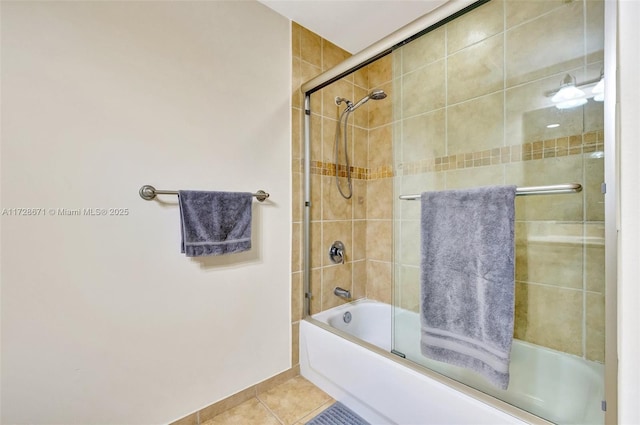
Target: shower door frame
441 15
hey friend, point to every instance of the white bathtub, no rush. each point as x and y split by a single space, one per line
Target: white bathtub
386 389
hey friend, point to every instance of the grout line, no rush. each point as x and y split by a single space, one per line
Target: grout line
271 412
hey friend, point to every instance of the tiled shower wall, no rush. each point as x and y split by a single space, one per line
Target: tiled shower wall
364 222
466 108
471 110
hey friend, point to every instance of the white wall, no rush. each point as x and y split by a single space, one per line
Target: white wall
103 320
629 233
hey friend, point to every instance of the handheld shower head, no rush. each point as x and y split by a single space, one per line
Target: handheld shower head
375 95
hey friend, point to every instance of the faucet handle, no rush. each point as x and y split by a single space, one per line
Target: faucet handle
336 252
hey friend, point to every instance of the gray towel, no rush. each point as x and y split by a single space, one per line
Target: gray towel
467 279
215 223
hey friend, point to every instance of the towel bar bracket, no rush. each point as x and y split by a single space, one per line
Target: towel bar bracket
148 192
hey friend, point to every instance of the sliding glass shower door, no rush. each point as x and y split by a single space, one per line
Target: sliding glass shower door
509 94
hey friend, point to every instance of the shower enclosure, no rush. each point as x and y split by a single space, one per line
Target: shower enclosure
474 99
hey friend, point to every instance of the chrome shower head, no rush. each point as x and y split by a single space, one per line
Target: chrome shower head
375 95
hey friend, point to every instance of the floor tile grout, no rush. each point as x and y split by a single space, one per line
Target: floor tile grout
269 410
294 399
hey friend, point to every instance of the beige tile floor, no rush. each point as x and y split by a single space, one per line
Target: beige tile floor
293 402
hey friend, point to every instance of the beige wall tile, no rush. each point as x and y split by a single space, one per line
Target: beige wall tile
542 172
593 179
416 184
379 240
409 243
359 148
520 11
594 261
380 72
359 281
296 81
361 78
539 310
381 193
297 138
332 276
310 71
315 287
296 247
359 199
423 50
476 70
329 129
480 24
550 253
380 147
593 116
476 125
595 31
595 327
310 47
334 206
316 196
423 136
360 117
408 293
379 281
297 297
475 177
561 34
332 55
317 250
295 343
296 34
423 90
316 135
359 240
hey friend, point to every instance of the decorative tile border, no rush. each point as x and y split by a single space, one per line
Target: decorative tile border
551 148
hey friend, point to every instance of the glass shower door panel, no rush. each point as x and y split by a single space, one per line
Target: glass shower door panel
476 104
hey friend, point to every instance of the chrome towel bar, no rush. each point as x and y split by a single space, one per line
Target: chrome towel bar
148 192
531 190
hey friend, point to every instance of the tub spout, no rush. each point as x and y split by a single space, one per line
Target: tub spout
342 293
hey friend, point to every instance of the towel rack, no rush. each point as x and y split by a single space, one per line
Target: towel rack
531 190
148 192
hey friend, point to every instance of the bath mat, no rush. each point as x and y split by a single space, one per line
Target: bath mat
337 414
